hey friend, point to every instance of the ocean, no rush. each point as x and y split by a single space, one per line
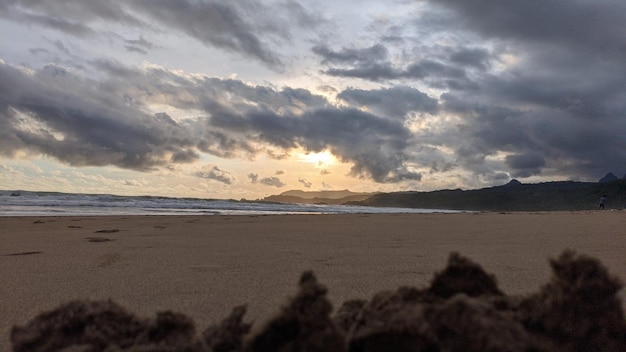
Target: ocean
25 203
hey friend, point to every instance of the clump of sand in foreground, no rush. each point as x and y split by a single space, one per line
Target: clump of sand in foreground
462 310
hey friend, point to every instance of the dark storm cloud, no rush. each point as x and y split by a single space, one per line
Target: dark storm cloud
513 88
83 122
578 24
114 69
526 165
69 16
301 16
490 127
184 156
395 102
240 114
374 64
244 27
220 144
362 57
475 57
523 78
374 145
223 24
568 144
53 112
69 27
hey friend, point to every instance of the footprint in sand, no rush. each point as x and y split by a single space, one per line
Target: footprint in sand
21 253
108 231
98 239
108 259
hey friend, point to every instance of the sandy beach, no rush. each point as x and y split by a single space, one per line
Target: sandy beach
202 266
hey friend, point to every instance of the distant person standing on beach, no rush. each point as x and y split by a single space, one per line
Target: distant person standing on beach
602 200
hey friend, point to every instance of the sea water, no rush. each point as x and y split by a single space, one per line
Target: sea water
24 203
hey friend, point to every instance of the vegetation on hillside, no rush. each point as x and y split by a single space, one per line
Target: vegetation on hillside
514 196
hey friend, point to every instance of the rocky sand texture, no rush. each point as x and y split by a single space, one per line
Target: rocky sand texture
462 310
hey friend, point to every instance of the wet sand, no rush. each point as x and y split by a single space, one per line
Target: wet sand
202 266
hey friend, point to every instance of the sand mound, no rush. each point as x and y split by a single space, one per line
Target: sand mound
462 310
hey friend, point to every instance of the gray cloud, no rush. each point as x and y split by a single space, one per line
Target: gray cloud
244 27
254 178
362 57
56 113
395 102
140 43
560 101
69 16
272 181
74 28
184 156
104 124
473 57
136 49
522 79
114 69
215 173
579 25
374 64
61 47
373 144
268 181
301 16
108 117
525 165
456 88
220 144
37 51
305 183
224 25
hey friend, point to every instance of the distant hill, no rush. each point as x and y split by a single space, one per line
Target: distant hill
514 196
320 197
608 178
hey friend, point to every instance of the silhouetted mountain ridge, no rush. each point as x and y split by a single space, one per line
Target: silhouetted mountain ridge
320 197
514 196
609 177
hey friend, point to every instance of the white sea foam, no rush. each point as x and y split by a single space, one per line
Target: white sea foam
22 203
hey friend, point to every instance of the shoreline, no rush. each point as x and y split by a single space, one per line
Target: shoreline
202 266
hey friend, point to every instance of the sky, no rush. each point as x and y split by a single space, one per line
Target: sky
244 99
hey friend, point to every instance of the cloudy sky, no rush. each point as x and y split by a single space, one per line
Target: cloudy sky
243 99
